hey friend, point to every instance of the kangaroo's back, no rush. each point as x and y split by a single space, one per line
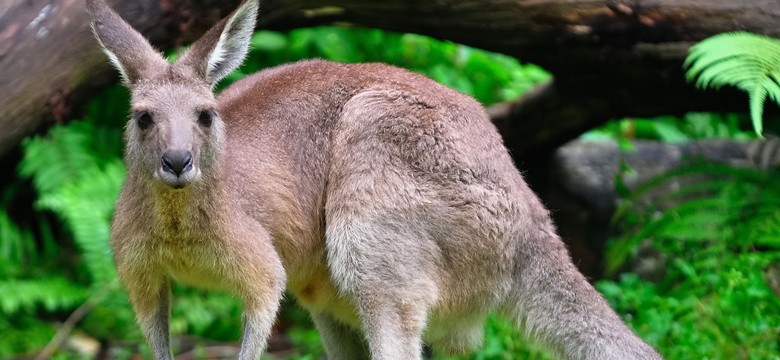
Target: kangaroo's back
384 202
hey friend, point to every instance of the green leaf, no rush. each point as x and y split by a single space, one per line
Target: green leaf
53 293
757 98
268 41
748 61
669 133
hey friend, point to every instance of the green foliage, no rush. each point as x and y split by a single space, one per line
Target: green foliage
487 76
21 334
214 315
301 331
53 293
673 129
76 174
717 250
82 198
16 247
748 61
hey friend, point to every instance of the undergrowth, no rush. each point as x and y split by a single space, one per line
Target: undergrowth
717 251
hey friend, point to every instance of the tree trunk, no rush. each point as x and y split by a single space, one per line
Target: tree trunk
610 58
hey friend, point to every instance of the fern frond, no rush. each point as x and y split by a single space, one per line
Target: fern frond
748 61
86 206
53 293
16 244
79 186
56 159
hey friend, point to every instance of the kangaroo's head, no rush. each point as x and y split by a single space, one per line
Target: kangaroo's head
175 132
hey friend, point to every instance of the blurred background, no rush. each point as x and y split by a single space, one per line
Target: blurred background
667 195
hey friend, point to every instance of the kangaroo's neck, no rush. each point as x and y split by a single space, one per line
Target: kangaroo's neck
188 213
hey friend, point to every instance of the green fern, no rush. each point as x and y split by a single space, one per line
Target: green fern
86 207
20 301
748 61
76 171
16 246
78 188
52 293
214 313
718 244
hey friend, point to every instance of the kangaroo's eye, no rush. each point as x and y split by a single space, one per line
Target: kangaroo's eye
143 119
206 117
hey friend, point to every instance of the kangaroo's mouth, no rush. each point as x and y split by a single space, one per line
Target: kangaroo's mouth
177 181
178 184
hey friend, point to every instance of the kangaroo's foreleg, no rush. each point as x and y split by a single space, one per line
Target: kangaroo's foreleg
258 323
256 275
150 295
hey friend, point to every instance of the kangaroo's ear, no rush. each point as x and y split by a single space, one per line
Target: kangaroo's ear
223 48
127 49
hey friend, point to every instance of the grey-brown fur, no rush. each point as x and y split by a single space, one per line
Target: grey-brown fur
386 203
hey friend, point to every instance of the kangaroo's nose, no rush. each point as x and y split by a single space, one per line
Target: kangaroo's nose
177 162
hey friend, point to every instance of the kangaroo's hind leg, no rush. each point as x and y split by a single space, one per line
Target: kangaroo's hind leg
341 342
381 247
390 291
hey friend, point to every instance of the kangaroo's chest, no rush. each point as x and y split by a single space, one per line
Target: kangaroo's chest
186 245
192 261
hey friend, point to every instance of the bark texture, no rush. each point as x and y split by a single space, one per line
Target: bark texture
610 58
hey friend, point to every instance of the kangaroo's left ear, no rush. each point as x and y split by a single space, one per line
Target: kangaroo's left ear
127 49
223 48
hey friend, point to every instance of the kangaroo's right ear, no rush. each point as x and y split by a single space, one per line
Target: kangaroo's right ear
127 49
222 49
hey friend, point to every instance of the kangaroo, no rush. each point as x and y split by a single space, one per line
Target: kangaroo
384 202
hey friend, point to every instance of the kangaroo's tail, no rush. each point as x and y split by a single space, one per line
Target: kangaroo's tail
554 303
